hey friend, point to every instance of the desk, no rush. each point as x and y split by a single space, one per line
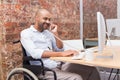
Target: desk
108 63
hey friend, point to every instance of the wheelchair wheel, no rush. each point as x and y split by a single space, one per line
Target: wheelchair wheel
30 75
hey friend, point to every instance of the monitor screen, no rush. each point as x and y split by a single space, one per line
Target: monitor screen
113 26
101 25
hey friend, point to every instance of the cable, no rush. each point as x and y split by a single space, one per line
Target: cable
113 52
67 43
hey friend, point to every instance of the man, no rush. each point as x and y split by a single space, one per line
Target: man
41 41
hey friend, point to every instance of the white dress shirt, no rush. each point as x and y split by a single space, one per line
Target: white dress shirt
35 43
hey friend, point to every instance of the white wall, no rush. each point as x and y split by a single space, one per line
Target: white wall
113 42
118 9
73 44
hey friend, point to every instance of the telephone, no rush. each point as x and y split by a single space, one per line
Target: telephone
53 28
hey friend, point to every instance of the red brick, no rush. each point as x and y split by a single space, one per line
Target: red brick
18 16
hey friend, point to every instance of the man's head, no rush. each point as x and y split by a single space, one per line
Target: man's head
42 19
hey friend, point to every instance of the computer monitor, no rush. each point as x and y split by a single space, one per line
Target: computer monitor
101 25
102 36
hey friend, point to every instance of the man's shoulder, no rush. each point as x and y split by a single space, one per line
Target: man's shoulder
25 30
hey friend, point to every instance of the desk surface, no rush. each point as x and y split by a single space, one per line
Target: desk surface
102 62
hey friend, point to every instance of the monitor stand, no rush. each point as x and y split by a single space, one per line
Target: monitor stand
108 55
105 56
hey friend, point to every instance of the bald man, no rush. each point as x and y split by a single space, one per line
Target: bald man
41 41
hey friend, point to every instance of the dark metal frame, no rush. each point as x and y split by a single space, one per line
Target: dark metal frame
116 75
36 69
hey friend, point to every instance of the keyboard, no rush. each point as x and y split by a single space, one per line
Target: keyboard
81 55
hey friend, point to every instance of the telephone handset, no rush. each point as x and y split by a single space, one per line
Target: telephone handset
53 28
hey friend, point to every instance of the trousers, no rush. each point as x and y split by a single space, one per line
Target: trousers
70 71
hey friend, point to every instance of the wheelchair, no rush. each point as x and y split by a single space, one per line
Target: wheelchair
37 70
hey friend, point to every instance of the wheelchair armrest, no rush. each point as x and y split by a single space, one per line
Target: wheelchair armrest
29 58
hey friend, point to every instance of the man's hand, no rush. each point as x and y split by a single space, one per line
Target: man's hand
69 53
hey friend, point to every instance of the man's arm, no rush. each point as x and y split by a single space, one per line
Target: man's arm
59 54
59 42
37 52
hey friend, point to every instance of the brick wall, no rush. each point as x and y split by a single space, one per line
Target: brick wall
108 9
66 16
16 15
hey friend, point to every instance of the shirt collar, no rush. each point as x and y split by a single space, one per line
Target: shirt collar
32 28
35 30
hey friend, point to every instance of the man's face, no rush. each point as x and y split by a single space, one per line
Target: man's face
44 21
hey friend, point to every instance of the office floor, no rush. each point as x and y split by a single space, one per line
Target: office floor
105 76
